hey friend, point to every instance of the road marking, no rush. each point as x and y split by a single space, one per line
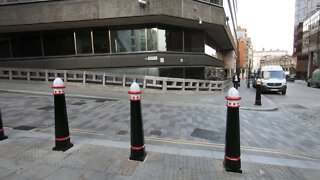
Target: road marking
222 146
201 144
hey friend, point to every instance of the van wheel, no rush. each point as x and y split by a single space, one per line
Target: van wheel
284 92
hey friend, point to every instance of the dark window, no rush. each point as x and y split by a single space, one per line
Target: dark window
101 41
193 41
4 47
171 72
58 43
194 73
170 39
84 45
26 45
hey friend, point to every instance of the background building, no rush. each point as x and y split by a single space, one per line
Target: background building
171 38
265 54
286 62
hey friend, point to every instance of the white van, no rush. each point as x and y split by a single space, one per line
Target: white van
273 79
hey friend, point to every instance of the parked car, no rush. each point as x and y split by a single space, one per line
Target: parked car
315 79
290 78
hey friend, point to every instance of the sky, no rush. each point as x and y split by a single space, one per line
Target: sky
269 23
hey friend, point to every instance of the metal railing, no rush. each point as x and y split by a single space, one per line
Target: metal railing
88 77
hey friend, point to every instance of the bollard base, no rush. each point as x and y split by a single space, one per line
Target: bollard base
138 155
3 137
257 103
232 166
62 145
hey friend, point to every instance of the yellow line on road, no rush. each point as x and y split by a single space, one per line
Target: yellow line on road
201 144
222 146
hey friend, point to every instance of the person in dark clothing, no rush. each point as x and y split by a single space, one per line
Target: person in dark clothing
236 81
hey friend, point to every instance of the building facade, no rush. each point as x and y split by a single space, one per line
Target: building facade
245 49
170 38
288 63
259 56
311 42
304 10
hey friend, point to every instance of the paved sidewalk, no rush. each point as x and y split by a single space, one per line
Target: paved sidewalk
184 134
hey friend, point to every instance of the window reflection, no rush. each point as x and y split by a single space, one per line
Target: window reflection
128 40
84 42
101 41
152 39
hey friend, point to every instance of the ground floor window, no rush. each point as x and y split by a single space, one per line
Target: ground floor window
142 38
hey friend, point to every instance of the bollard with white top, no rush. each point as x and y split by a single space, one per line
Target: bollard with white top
232 161
2 136
137 149
258 93
62 135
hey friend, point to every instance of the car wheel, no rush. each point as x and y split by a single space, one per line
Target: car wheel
284 92
308 84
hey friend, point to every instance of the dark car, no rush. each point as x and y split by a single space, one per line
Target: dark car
315 79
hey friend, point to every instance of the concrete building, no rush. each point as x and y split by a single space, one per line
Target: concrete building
170 38
304 9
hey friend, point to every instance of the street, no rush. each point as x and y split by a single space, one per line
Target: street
286 137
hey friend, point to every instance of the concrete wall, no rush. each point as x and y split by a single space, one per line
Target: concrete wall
82 10
119 60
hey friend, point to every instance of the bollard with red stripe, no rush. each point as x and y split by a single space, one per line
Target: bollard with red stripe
232 161
2 136
138 152
258 93
62 136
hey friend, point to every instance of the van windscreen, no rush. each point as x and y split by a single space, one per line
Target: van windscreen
272 74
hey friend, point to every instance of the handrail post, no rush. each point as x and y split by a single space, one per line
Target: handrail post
84 77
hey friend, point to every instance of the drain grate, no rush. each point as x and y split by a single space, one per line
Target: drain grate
122 132
155 132
26 128
208 135
46 108
104 100
296 106
78 103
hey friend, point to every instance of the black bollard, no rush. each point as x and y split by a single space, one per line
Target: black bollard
2 136
138 152
62 136
232 161
258 93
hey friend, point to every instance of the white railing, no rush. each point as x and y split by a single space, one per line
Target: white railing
87 77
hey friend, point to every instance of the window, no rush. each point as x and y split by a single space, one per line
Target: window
84 45
101 41
4 47
58 43
26 45
193 41
170 39
128 40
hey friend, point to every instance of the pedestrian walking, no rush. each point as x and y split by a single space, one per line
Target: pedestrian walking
236 81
